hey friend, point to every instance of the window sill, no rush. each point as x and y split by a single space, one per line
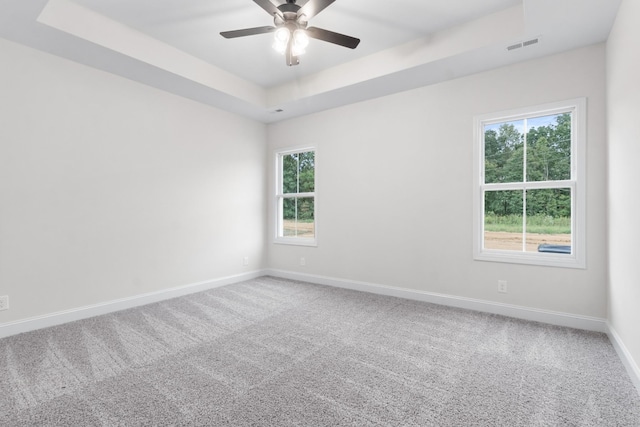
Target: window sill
539 259
296 241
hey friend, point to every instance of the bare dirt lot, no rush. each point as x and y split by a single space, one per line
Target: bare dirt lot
304 229
513 241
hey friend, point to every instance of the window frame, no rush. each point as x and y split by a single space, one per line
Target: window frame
577 183
279 237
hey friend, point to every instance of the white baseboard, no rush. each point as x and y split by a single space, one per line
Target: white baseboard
625 356
526 313
60 317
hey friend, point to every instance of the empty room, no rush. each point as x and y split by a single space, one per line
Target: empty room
319 213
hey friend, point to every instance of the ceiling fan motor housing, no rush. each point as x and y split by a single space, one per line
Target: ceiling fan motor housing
289 6
293 18
290 16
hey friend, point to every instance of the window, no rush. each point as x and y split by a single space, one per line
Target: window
295 197
529 185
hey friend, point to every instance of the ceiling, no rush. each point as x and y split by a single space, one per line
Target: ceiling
174 45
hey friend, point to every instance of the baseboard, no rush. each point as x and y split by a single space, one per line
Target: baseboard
526 313
60 317
624 354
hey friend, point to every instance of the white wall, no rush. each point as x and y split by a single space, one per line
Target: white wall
395 188
111 189
623 109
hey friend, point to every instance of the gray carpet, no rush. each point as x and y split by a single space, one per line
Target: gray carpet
272 352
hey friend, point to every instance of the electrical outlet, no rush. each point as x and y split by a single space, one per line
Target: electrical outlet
502 286
4 302
303 261
245 261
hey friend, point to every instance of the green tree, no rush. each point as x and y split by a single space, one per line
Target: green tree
549 151
298 176
503 153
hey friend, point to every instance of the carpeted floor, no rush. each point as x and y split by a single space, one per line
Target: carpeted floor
272 352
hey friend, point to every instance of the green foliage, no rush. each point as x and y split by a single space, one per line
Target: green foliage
548 149
542 224
503 203
298 176
503 154
548 157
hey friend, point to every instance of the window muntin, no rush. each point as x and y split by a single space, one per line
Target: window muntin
295 197
530 190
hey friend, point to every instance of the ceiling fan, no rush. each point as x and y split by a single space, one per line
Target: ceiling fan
291 30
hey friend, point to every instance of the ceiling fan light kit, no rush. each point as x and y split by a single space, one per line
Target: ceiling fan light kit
284 41
281 39
292 35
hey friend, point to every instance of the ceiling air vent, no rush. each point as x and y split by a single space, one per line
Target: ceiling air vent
514 46
524 44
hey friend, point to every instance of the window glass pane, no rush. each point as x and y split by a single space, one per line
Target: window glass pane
307 172
290 173
549 220
549 148
503 152
503 220
298 217
298 172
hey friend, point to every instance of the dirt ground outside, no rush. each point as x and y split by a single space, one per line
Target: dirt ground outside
300 229
513 241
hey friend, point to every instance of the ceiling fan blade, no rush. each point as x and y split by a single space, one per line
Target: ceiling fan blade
269 7
314 7
331 37
247 32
